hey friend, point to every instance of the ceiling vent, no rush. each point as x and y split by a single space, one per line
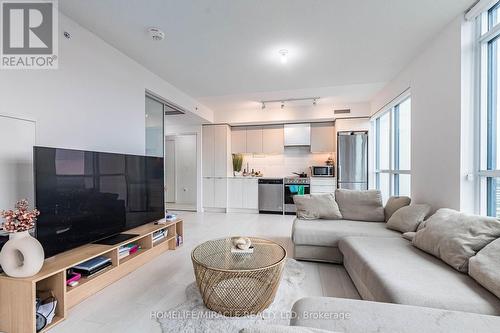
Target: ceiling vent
342 111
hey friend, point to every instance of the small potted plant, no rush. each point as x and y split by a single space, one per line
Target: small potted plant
22 255
237 163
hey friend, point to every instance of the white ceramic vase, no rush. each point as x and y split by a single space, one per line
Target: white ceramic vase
22 255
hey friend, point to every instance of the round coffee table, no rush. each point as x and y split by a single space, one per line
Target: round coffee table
238 284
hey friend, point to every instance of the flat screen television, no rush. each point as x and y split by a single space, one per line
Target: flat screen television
85 196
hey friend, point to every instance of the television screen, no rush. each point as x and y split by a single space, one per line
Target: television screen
84 196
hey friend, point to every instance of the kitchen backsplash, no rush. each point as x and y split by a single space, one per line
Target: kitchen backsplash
294 159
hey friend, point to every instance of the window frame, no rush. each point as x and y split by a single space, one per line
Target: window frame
394 171
487 81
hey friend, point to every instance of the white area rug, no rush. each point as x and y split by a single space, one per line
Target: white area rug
193 316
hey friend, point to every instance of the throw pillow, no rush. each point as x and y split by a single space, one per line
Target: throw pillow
393 204
484 267
408 218
409 235
455 237
317 206
361 205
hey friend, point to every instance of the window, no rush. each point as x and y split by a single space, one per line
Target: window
489 117
393 150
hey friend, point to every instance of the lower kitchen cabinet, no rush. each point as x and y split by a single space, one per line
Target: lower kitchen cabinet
323 185
243 194
215 193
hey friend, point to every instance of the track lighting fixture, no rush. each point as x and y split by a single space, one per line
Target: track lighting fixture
283 101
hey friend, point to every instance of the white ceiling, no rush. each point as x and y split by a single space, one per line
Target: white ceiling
225 52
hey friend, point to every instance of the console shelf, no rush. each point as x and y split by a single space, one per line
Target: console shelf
18 295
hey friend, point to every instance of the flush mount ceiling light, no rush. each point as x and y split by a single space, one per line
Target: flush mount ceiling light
282 101
283 56
156 34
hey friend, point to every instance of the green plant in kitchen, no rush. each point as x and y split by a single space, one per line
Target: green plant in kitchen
237 162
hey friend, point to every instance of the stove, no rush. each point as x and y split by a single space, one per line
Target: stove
297 181
294 186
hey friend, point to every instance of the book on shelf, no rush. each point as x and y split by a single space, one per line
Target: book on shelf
179 240
126 250
160 234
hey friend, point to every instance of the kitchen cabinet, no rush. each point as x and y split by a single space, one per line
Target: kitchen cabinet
273 139
216 165
267 139
323 185
208 150
254 139
220 192
238 140
243 194
323 137
208 192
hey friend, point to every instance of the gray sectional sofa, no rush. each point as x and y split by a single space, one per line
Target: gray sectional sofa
429 293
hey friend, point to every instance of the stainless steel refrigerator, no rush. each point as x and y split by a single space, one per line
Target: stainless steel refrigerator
352 160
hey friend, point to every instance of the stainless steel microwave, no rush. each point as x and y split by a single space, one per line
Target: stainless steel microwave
323 171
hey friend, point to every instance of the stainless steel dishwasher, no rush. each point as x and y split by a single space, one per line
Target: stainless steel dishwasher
271 196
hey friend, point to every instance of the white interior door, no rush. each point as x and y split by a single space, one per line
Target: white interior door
17 139
185 166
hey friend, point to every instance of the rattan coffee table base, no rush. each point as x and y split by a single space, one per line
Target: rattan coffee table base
236 294
238 284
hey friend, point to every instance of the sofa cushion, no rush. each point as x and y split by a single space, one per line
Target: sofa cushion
373 317
407 219
328 233
392 270
455 237
409 235
317 206
393 204
484 267
361 205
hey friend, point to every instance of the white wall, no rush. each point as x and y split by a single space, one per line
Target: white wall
434 78
17 137
94 101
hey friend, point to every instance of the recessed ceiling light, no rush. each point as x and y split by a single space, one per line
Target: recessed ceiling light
156 34
283 56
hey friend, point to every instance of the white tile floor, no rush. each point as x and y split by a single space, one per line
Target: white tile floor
126 305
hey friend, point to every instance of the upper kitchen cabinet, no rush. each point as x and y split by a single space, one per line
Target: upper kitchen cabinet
267 139
254 140
208 150
216 143
323 137
238 140
273 139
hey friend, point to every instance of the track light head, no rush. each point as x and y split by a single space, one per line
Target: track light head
314 102
282 105
263 106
